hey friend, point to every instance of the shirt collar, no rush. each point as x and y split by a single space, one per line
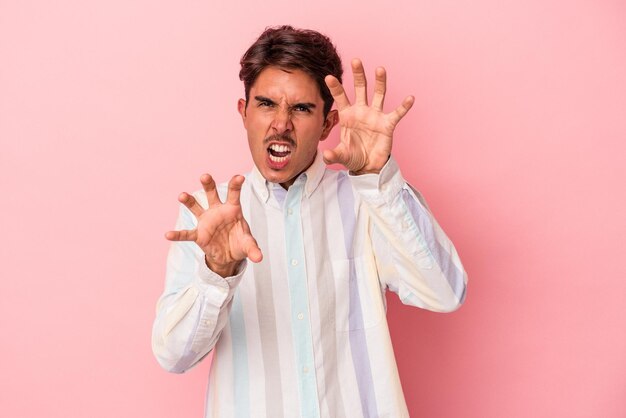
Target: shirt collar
312 177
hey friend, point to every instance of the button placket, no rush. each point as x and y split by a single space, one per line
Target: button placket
299 299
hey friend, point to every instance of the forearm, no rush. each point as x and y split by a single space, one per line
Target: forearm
194 306
414 256
190 320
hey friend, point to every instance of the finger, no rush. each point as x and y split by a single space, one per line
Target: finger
191 203
380 88
402 110
234 189
252 250
339 94
208 184
360 82
184 235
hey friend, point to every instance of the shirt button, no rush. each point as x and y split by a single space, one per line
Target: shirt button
305 369
207 322
290 211
294 262
300 316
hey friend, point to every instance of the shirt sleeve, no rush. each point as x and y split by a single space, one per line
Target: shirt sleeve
414 257
194 308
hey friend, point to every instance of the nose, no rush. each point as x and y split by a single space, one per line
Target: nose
282 121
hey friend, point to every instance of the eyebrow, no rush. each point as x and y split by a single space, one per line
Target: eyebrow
308 105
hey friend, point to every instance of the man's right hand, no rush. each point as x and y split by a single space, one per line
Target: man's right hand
222 232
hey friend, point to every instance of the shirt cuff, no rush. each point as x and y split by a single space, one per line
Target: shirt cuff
381 188
206 276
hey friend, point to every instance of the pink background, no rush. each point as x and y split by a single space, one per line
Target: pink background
109 109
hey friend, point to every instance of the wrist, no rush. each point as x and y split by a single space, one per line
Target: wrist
362 172
370 170
223 270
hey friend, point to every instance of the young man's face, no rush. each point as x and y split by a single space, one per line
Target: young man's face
284 118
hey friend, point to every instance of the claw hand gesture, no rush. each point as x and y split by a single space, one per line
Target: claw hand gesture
366 132
222 232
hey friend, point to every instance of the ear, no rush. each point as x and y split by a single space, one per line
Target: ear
241 108
331 120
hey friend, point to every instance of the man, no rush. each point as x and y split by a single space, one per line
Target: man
301 331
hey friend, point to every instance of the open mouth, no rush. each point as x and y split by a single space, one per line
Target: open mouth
279 153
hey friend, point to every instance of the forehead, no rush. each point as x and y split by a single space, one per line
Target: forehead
293 84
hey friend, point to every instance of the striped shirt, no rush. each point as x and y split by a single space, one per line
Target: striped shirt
304 333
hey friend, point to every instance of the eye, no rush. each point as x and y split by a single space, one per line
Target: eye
302 108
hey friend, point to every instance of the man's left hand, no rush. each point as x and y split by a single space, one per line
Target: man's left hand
366 132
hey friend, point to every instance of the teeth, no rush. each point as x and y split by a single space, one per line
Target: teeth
279 148
277 159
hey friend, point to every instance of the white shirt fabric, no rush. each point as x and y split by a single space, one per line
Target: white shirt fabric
303 333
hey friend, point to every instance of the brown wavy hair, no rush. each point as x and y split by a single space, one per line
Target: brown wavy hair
292 49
